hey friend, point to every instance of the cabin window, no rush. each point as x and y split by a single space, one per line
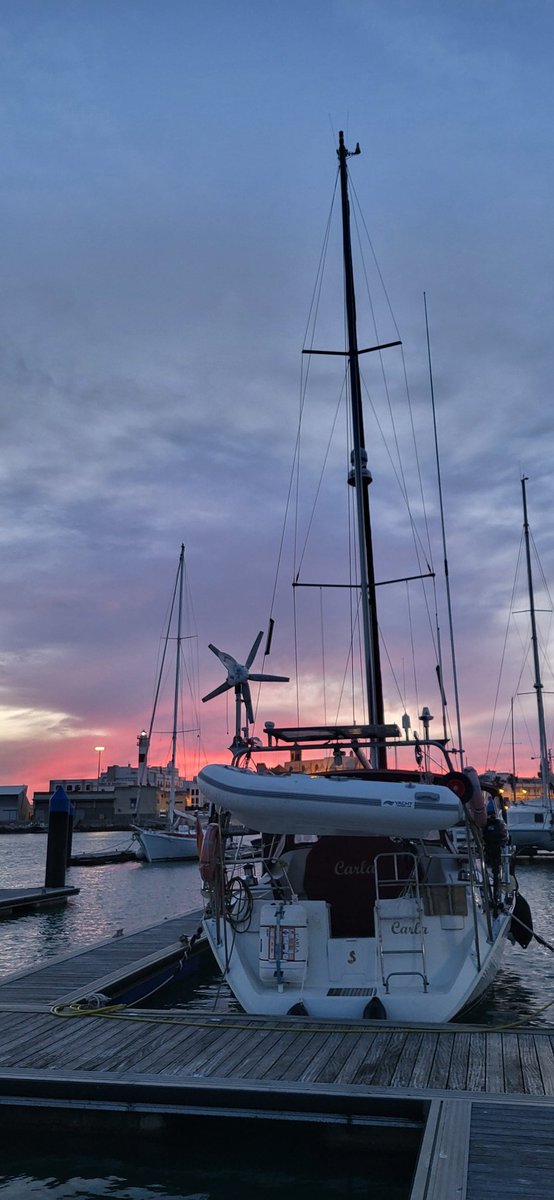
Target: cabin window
539 818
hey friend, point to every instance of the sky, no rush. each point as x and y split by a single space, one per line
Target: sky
167 173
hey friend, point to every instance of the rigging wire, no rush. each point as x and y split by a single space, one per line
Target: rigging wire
324 673
460 750
294 477
525 646
502 658
423 555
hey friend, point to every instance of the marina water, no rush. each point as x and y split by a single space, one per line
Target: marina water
131 895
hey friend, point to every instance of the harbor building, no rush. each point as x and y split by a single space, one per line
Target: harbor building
15 807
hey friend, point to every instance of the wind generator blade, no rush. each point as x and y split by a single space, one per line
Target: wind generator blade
218 691
270 678
245 693
254 650
227 659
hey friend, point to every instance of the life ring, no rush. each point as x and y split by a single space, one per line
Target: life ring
210 853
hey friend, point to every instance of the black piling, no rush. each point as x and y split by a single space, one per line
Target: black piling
69 849
58 834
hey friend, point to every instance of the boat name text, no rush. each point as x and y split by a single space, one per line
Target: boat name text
416 928
363 868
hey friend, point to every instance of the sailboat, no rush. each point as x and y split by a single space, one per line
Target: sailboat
531 824
180 838
360 891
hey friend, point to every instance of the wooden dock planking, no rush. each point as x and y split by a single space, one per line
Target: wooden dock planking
79 972
215 1061
166 1045
530 1069
405 1064
387 1063
368 1061
424 1061
321 1057
289 1067
459 1062
256 1053
440 1068
476 1063
523 1163
337 1056
546 1065
479 1089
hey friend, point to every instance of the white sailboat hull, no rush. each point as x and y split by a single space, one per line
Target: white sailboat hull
342 976
163 846
322 805
531 826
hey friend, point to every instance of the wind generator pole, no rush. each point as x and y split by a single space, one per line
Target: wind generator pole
171 809
362 478
543 748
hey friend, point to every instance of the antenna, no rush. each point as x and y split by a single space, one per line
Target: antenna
446 575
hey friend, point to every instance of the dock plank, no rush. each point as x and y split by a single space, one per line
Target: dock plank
475 1080
402 1073
441 1171
368 1049
513 1073
529 1059
423 1064
546 1065
440 1069
346 1043
459 1061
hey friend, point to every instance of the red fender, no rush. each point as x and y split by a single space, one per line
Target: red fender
210 854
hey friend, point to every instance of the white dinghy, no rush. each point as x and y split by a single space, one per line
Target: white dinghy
324 804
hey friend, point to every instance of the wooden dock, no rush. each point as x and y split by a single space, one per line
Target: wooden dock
16 901
465 1094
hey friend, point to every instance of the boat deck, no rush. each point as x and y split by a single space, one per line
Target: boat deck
469 1091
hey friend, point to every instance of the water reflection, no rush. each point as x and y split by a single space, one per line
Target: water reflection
220 1161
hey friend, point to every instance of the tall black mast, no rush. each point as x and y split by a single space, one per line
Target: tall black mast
361 476
543 745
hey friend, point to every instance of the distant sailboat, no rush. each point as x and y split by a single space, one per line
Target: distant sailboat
181 837
531 824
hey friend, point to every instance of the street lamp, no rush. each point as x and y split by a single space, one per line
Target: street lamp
99 750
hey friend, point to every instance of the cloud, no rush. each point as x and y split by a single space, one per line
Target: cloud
165 192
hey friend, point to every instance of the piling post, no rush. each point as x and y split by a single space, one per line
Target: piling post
58 831
69 849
